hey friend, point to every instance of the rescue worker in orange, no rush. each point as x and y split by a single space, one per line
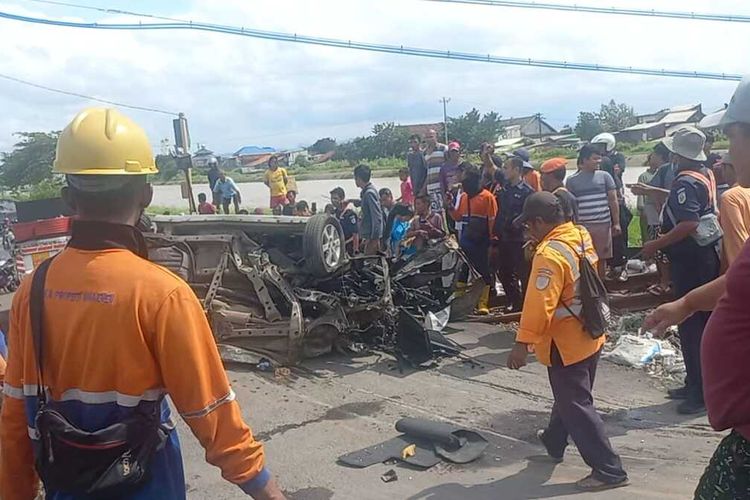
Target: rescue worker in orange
530 176
477 209
556 334
119 333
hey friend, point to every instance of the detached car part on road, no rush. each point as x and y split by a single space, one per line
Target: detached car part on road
283 287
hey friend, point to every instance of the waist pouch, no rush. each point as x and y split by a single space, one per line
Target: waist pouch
708 231
105 463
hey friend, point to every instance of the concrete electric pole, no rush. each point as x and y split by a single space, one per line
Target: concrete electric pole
445 101
183 159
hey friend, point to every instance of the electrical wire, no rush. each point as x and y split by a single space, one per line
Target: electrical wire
82 96
693 16
371 47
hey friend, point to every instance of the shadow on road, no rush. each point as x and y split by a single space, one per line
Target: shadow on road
526 483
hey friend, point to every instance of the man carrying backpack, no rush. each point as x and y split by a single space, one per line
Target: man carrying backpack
564 328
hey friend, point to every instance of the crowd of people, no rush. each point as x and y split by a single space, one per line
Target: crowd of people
100 426
225 192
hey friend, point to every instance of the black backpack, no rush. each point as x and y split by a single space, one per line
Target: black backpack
595 313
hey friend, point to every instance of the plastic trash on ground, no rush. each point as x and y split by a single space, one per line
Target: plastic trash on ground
639 351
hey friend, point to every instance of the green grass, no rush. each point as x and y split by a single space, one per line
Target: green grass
634 232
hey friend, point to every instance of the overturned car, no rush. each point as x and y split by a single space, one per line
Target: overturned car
284 288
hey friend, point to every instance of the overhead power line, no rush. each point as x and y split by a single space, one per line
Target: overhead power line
694 16
82 96
389 49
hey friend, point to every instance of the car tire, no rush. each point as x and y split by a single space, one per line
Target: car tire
323 244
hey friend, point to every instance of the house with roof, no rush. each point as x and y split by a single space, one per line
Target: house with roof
254 156
661 124
534 127
202 157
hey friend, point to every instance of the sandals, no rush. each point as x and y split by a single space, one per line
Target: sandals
591 484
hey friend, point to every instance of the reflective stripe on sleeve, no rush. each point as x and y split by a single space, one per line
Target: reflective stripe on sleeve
12 392
210 407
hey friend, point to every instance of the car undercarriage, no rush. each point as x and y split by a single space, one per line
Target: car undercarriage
284 288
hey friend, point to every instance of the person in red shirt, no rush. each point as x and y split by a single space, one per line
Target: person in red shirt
407 190
725 349
205 208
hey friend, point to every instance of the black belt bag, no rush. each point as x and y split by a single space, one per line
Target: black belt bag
106 463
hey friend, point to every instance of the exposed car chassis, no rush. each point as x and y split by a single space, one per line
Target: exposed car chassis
283 287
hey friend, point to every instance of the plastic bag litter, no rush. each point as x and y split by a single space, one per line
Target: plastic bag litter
437 321
639 351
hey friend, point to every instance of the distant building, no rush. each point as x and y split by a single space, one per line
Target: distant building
657 125
526 126
202 157
254 156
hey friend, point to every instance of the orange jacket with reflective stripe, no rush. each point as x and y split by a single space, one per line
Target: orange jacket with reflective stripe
119 332
554 282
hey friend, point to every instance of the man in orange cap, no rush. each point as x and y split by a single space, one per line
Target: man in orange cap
553 177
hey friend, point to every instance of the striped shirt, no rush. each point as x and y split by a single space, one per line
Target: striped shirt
435 156
590 190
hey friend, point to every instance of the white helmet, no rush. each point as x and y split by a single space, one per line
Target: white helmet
607 139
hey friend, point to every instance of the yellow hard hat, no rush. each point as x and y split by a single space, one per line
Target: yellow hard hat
103 141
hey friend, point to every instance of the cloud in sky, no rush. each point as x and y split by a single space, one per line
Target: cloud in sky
238 91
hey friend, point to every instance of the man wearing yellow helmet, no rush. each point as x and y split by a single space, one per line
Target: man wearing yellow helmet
100 336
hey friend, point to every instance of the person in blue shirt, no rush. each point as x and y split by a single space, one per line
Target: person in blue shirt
507 252
227 192
694 261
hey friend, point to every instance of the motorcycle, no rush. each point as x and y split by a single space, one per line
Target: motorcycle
8 277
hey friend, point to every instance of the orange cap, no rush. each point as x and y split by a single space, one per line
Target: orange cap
553 164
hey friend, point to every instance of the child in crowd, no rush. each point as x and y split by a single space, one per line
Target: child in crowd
407 190
302 209
204 207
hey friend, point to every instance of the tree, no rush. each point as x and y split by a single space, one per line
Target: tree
472 129
323 146
588 125
387 140
167 166
615 117
30 162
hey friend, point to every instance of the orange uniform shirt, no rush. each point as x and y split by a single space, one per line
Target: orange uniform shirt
735 222
120 332
533 179
483 206
553 282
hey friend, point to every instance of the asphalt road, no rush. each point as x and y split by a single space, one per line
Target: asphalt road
335 405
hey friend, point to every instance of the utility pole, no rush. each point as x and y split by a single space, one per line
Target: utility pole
183 159
539 120
445 101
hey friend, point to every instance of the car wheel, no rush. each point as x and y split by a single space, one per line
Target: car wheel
323 244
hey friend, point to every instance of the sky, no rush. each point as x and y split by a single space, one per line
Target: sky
238 91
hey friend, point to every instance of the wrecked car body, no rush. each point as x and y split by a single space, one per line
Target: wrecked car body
284 288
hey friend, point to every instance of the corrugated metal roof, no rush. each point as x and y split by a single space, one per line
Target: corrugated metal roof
254 150
678 116
641 126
